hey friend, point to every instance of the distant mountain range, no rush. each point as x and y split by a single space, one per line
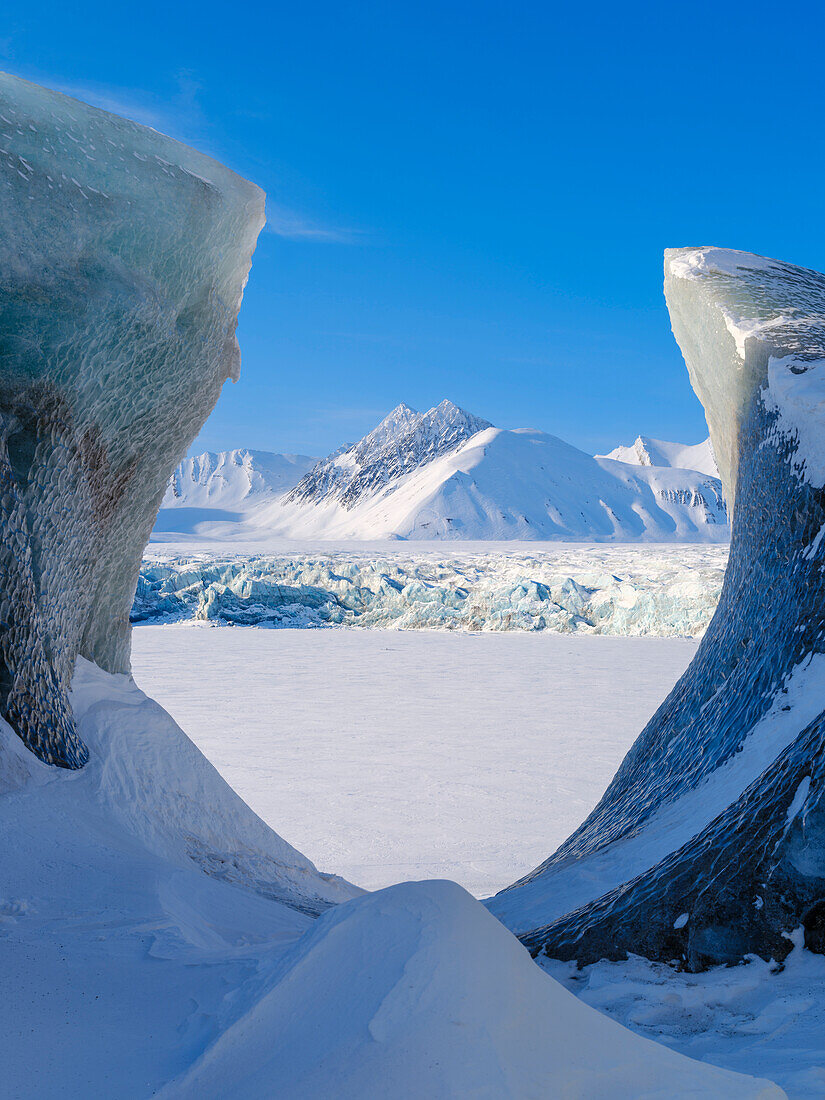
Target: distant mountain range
446 474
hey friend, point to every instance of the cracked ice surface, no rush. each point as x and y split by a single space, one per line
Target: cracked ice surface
627 590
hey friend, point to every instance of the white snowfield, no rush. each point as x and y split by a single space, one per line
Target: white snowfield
219 487
448 475
484 751
658 452
133 973
417 991
581 589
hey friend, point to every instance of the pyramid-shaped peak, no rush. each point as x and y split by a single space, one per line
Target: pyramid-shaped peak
401 411
447 412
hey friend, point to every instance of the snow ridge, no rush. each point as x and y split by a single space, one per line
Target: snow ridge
646 451
225 478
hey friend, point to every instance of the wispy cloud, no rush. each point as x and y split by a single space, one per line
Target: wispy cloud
179 116
294 226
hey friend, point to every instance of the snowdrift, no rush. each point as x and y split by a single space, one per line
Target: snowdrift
416 991
156 934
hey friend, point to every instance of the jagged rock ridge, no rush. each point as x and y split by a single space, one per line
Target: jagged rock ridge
404 441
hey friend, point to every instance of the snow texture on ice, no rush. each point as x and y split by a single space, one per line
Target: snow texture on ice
697 818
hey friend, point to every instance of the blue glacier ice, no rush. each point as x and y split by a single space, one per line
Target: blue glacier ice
709 843
123 258
667 591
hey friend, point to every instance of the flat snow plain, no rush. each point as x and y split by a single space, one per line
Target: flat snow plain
389 756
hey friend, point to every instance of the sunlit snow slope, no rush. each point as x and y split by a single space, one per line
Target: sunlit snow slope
657 452
450 481
214 488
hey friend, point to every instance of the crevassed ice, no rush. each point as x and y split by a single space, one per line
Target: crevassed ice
123 257
596 591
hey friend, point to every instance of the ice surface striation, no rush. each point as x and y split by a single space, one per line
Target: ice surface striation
123 257
709 844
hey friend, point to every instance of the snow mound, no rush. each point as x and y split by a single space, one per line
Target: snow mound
657 452
416 991
150 777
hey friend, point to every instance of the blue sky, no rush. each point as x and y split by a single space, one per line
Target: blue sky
467 200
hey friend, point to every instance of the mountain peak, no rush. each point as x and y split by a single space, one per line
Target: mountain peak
400 414
647 451
403 441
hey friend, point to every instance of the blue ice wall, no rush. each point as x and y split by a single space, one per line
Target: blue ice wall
123 257
741 875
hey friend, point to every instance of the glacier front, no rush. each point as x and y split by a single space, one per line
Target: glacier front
709 843
665 591
123 258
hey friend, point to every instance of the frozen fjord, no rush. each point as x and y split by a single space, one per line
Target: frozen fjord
148 912
482 749
449 755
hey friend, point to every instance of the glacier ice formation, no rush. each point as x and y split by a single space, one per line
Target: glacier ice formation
600 590
709 844
123 258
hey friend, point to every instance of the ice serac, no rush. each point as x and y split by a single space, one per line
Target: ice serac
123 258
709 843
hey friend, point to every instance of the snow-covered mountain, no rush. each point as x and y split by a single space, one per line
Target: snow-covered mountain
404 441
518 484
657 452
446 474
223 486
